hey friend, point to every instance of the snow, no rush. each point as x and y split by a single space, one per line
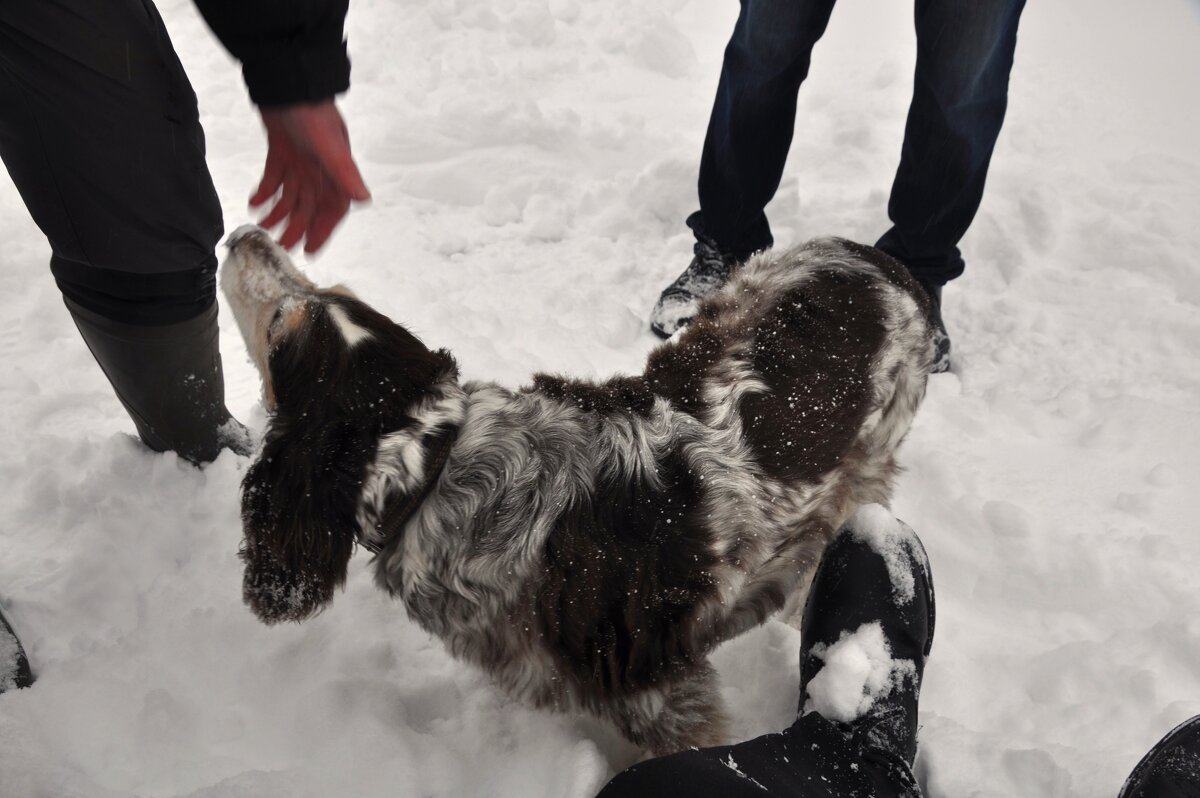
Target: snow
730 763
531 164
858 670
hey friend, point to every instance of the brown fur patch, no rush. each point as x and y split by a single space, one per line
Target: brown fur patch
621 579
677 371
814 350
617 395
895 271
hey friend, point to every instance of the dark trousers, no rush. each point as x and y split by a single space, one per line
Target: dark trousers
964 56
811 759
100 131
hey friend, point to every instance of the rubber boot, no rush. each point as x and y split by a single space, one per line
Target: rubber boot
872 598
169 379
14 666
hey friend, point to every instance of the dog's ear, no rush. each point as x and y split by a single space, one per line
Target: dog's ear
299 517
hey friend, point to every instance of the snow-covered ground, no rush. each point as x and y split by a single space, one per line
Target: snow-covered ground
532 162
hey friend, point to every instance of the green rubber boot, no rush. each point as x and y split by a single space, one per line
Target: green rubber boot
170 381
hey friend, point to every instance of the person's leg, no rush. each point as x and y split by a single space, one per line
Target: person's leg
812 758
100 131
749 133
960 95
871 601
753 117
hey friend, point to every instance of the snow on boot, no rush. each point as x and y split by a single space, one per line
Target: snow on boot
867 630
1172 767
677 305
169 379
14 666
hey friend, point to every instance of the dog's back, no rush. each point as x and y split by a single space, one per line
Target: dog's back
819 353
815 359
787 397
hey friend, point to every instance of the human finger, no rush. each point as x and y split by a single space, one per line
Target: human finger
301 217
329 215
272 179
286 205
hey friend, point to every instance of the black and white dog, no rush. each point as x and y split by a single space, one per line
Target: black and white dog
585 543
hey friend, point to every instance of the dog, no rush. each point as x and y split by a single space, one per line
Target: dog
586 543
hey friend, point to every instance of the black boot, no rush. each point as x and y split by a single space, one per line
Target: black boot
14 666
872 594
169 379
1172 767
941 339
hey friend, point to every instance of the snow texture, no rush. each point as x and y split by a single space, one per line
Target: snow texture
532 162
858 671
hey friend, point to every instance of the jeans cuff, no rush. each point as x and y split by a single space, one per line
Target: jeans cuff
737 247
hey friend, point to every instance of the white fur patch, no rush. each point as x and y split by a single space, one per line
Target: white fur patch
353 333
400 461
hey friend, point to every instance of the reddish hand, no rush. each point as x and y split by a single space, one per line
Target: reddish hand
310 169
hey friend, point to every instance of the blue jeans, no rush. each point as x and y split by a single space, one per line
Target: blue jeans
964 56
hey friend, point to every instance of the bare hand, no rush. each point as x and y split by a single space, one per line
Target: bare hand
311 172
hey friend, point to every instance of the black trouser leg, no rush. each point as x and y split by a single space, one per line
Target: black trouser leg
100 131
811 759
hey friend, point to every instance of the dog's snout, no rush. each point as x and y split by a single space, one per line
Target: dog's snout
260 283
242 233
261 266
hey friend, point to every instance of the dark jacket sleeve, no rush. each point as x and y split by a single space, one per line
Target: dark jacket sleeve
291 51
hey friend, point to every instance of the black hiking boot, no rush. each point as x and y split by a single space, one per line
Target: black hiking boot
704 276
14 665
941 339
170 381
872 595
1172 767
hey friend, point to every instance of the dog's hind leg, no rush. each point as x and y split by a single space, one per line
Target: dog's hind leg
685 713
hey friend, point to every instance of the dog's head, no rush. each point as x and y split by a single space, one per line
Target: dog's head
337 375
